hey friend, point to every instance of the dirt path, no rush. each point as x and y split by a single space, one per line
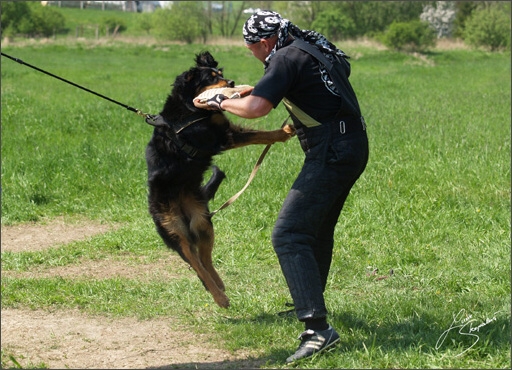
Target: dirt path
33 236
72 339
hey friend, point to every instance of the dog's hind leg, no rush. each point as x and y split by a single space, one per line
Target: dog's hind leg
200 252
202 227
174 228
213 184
210 284
205 247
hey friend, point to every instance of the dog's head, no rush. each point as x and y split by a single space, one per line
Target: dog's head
205 75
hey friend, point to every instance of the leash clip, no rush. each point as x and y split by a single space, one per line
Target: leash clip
343 129
142 114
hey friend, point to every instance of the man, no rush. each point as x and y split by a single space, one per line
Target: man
332 134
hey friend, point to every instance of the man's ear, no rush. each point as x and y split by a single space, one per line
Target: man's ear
269 43
266 43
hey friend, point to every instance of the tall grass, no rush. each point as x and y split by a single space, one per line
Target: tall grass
433 204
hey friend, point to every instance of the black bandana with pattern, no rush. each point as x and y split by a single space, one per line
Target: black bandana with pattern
266 23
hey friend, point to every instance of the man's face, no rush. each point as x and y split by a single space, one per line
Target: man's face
262 49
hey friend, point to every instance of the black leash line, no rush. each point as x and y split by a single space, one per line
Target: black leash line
131 109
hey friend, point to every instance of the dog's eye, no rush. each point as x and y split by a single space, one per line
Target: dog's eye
217 71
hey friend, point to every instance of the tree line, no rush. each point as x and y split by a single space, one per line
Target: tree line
402 25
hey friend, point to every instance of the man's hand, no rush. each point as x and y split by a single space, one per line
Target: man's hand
247 91
212 103
211 98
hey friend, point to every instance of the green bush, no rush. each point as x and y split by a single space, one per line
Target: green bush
186 22
488 28
145 22
30 19
113 24
13 13
334 25
373 17
47 21
409 36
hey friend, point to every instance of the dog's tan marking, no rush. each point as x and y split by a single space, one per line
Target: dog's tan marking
289 129
202 228
251 137
189 221
218 295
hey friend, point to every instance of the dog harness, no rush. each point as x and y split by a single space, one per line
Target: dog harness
171 134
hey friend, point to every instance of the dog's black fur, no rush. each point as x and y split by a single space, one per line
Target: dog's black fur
181 150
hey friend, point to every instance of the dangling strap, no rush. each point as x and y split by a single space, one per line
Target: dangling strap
251 176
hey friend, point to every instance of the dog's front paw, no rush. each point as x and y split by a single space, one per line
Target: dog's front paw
290 130
222 300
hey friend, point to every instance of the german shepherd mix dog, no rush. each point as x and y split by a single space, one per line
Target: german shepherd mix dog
182 147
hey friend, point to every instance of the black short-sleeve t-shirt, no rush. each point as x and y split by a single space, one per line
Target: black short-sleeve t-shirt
295 75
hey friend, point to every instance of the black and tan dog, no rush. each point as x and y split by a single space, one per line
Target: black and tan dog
184 141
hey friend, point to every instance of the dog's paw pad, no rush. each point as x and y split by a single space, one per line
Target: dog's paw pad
223 302
289 129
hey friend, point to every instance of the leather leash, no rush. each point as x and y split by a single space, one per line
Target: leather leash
251 176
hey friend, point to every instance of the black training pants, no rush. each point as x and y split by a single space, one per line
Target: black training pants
303 234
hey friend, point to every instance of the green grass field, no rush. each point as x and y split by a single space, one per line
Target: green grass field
433 204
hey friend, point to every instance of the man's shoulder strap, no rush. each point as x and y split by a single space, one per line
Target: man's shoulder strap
314 51
338 75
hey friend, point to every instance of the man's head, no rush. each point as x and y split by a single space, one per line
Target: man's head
261 25
260 33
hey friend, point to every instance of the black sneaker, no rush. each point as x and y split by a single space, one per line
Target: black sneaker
313 342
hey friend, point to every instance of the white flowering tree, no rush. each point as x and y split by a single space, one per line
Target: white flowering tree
440 17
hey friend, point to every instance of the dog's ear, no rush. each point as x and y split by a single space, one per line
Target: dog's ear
185 87
182 82
205 59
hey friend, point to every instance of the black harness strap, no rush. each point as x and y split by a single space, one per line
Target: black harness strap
191 151
338 74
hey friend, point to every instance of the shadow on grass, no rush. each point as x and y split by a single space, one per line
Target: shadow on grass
273 358
425 334
228 364
419 334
